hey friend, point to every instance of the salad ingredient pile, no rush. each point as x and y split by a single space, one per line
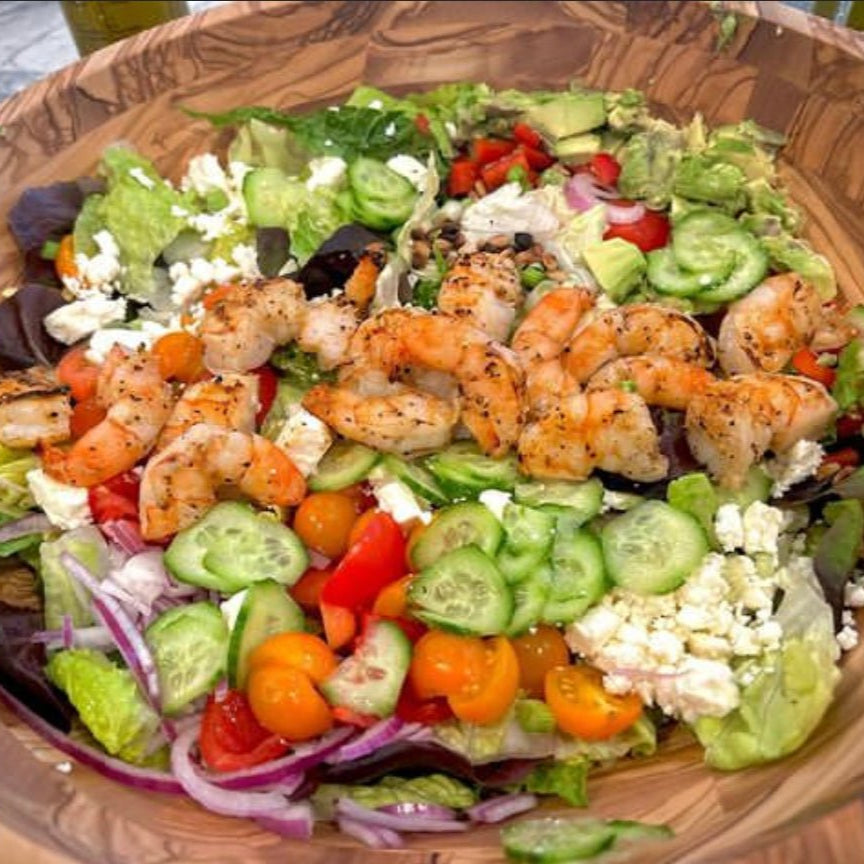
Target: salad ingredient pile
425 453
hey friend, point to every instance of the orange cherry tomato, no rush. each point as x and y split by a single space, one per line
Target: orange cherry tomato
360 525
86 415
581 706
392 600
180 356
78 373
444 664
64 262
301 651
324 520
284 700
541 649
340 625
489 697
307 590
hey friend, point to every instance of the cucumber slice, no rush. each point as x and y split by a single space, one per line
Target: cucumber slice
529 599
343 465
751 266
190 648
584 500
667 277
232 547
547 841
464 592
268 196
528 537
370 680
653 548
382 199
416 478
578 573
464 472
463 524
267 609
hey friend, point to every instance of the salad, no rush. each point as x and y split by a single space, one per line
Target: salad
419 455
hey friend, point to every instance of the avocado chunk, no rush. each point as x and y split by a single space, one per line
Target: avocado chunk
577 148
789 253
567 114
617 265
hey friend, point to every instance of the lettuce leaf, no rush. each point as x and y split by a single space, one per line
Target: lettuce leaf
567 780
848 389
15 497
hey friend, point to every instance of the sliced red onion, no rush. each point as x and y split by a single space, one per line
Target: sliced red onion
370 835
82 637
107 766
124 534
318 561
580 192
68 632
345 807
295 821
420 733
419 808
34 523
501 808
303 758
289 785
375 737
617 214
226 802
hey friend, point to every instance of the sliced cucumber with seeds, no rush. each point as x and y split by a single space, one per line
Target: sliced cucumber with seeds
528 537
190 650
464 471
267 609
584 500
463 592
234 546
529 599
463 524
420 481
343 465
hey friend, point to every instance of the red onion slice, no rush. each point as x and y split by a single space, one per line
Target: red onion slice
34 523
501 808
420 809
295 821
345 807
82 637
580 192
375 737
124 534
617 214
370 835
67 632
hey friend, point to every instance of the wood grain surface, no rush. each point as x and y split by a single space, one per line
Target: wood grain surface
801 75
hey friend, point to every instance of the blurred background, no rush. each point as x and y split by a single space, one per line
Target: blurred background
35 37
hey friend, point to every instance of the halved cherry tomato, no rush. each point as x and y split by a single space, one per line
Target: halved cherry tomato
849 425
216 294
649 232
847 457
78 373
324 520
444 664
376 559
581 706
360 525
489 698
392 600
232 739
86 415
284 700
806 362
307 590
361 495
537 159
524 134
340 625
495 174
605 168
64 261
412 709
301 651
268 384
180 356
486 150
411 627
463 175
541 649
115 499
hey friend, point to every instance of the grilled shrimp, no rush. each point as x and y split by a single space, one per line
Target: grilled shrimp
484 289
399 341
34 408
230 401
138 402
543 335
661 381
642 328
732 424
181 483
328 325
607 429
388 416
763 330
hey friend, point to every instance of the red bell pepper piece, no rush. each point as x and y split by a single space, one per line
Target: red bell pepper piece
268 384
463 176
847 457
524 134
495 174
537 159
116 498
806 362
486 150
605 168
650 232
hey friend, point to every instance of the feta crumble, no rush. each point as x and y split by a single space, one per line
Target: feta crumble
139 176
304 438
414 171
102 341
72 322
796 464
494 500
847 638
326 171
763 525
65 506
397 499
99 273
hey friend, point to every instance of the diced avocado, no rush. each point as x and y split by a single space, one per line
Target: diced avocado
763 198
757 487
648 163
701 178
567 114
751 159
789 253
617 265
750 130
626 110
577 148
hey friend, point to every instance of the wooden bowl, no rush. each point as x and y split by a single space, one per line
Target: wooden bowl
782 68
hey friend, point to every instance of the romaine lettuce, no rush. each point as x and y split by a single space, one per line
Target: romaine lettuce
848 389
567 780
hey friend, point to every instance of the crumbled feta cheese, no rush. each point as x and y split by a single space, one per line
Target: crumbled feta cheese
395 498
390 129
100 272
762 527
65 506
211 226
494 500
189 279
204 174
796 464
72 322
304 438
854 593
231 607
245 256
410 168
847 638
102 341
729 527
326 171
139 175
618 500
377 104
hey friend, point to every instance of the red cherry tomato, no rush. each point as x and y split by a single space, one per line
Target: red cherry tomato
268 384
605 168
115 499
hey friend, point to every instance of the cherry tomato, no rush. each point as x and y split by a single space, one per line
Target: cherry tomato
392 600
232 739
86 415
324 520
78 373
488 698
340 625
649 232
486 150
268 384
605 168
847 457
463 175
362 497
284 701
115 499
412 709
301 651
581 706
180 356
307 590
849 425
806 362
444 664
64 262
541 649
